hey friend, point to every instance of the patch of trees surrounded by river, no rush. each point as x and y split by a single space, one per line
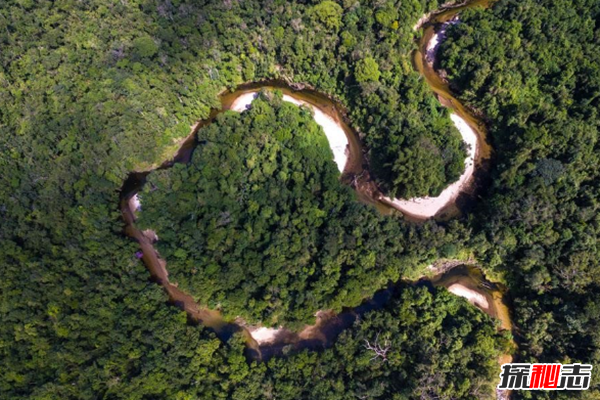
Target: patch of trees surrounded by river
90 91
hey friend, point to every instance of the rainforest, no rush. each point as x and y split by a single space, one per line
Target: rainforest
285 199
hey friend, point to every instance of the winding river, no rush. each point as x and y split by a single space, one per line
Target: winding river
460 278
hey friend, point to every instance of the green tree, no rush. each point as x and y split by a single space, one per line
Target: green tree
329 13
367 70
145 46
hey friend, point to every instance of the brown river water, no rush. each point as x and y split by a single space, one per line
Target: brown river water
356 173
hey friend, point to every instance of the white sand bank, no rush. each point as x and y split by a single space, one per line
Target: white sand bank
429 206
134 203
424 18
264 335
437 39
477 299
338 142
243 102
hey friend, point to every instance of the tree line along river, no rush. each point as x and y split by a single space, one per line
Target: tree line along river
459 278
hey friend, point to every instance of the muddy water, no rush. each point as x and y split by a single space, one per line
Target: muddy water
356 173
328 324
425 63
157 267
356 159
471 279
440 86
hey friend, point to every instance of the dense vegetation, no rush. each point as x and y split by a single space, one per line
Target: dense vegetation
90 90
156 67
416 367
259 224
361 53
533 68
136 347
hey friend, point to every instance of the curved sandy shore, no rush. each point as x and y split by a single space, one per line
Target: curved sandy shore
338 142
437 39
426 207
264 335
473 297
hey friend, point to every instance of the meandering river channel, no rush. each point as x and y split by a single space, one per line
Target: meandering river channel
460 278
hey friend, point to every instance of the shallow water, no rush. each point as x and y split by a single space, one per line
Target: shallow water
354 168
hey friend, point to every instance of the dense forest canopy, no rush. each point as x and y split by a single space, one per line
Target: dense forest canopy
411 326
91 90
532 67
259 224
157 66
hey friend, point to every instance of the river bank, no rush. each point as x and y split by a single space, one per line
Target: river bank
263 342
349 154
336 136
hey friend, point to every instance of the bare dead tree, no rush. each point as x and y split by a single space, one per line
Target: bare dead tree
379 349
